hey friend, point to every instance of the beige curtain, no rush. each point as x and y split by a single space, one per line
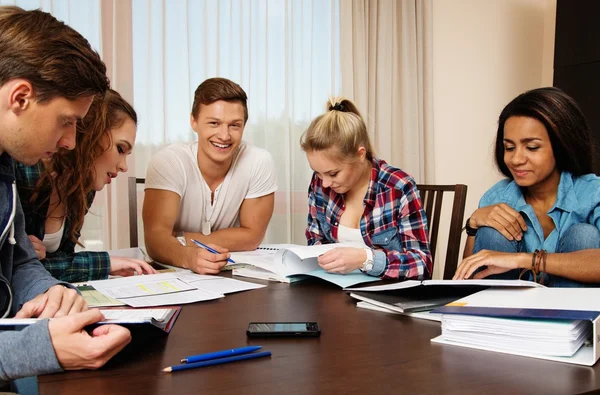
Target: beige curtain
116 50
386 64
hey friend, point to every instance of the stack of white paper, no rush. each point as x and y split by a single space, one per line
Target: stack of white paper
557 324
531 336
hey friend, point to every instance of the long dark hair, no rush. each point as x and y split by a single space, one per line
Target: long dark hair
567 127
71 173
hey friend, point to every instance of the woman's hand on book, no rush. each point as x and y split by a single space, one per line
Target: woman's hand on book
121 266
496 262
342 260
501 217
76 349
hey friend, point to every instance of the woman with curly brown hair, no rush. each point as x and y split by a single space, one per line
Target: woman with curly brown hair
57 192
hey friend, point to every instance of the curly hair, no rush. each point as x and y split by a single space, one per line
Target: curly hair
71 173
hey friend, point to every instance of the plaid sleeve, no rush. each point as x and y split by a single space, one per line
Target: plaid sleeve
414 261
78 266
313 231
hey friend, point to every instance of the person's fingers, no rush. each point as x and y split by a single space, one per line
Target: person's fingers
482 274
146 268
215 247
463 267
519 218
137 268
80 320
513 224
53 303
207 270
209 256
501 227
78 306
33 308
68 298
514 217
327 257
473 266
110 339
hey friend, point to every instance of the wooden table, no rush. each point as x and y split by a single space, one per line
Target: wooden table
359 352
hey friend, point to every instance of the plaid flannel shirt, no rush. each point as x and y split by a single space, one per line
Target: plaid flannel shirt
393 222
64 264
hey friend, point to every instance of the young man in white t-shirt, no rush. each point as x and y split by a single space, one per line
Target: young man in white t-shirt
218 190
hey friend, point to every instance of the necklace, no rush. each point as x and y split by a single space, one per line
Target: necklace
209 206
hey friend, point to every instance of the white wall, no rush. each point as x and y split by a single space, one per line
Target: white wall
485 52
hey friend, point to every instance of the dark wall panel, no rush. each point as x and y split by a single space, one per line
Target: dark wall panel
577 32
577 58
582 82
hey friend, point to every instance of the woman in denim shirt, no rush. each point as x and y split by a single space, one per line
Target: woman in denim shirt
541 223
355 197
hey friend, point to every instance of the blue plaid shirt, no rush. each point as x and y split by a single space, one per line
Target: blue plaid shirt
393 222
64 264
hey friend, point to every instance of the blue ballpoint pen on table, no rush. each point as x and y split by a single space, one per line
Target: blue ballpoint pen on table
219 361
201 245
220 354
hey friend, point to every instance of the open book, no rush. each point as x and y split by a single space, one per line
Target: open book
162 318
289 262
416 296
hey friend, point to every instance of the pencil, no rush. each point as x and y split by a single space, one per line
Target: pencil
219 361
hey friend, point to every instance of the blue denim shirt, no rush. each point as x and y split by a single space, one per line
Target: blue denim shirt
577 201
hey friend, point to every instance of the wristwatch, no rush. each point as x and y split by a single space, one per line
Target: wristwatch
367 265
470 231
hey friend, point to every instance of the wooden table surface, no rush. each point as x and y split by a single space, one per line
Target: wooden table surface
359 352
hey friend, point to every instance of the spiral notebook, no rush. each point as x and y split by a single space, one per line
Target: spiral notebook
290 262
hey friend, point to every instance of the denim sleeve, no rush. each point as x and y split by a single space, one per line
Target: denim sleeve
379 263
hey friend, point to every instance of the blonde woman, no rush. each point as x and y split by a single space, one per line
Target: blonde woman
355 197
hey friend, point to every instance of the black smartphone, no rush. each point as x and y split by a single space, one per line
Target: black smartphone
283 329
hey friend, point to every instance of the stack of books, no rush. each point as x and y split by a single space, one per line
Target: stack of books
551 337
418 298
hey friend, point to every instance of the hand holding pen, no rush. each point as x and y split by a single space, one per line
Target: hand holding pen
204 261
209 249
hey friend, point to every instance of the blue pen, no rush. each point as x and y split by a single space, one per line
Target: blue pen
220 354
219 361
210 249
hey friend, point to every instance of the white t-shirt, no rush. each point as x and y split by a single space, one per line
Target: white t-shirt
175 169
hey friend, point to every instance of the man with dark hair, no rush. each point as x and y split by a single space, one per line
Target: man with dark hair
218 190
49 76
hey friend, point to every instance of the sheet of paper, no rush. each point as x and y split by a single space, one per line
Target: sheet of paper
344 280
425 315
131 314
218 285
139 286
482 282
578 299
95 298
315 250
196 295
